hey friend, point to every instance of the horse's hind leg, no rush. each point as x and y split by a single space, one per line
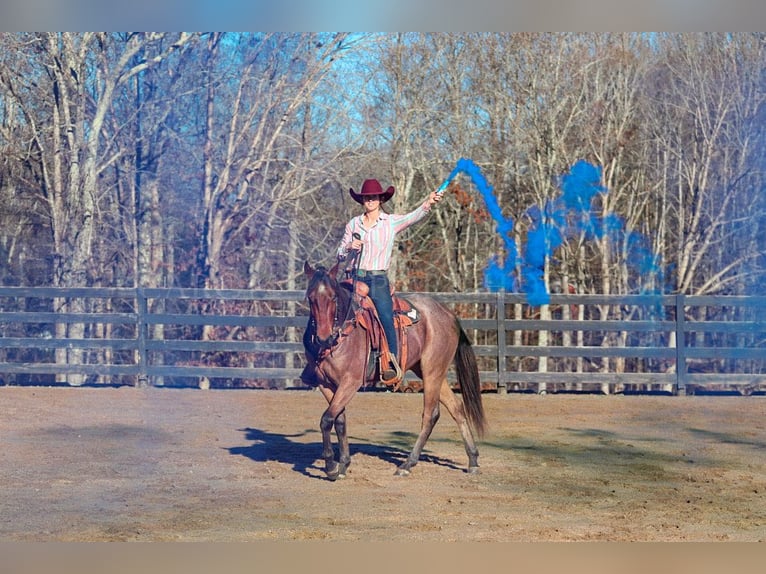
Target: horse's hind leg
429 419
455 408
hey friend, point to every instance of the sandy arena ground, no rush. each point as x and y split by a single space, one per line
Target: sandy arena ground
118 464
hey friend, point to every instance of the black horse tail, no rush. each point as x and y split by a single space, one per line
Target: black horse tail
470 383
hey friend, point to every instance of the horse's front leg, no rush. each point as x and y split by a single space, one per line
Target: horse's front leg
344 453
326 424
335 416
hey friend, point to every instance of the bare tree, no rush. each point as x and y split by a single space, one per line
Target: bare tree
65 96
708 92
252 162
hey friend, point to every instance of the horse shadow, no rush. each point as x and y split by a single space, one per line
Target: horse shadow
306 456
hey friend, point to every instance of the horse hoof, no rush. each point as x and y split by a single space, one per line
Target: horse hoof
474 470
402 472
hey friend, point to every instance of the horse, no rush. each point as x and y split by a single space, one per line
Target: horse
337 350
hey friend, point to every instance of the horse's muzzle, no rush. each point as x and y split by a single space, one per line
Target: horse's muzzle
327 343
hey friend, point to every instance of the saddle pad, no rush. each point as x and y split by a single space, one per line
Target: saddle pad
405 312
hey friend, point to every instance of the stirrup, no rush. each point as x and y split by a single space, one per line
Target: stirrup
392 373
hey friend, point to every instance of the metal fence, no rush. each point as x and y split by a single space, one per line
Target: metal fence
244 338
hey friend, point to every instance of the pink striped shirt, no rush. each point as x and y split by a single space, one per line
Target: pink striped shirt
379 239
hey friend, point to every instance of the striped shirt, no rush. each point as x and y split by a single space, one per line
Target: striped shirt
379 239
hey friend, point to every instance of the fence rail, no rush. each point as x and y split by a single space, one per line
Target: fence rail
246 338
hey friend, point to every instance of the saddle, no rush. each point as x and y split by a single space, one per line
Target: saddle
405 315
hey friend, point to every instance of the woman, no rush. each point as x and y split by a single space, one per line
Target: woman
373 233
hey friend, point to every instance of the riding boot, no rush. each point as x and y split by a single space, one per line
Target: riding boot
391 371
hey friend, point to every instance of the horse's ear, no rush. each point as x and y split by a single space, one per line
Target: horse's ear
307 269
334 270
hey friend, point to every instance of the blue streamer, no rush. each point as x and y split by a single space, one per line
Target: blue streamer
563 217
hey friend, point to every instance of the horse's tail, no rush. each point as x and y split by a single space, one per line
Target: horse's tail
470 384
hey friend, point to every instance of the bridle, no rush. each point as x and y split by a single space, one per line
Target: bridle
341 300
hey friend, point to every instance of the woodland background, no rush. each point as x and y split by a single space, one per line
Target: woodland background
223 160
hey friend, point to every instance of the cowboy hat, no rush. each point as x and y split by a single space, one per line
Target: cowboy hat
372 187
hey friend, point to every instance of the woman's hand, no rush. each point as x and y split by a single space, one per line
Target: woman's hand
357 244
434 198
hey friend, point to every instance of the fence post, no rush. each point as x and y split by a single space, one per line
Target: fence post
680 345
141 330
502 385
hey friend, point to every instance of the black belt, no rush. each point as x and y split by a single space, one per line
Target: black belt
363 273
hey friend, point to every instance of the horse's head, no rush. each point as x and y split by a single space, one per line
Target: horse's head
322 295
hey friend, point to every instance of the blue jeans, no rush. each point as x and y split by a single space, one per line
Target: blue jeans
380 293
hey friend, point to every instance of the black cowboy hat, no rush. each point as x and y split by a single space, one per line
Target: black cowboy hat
372 187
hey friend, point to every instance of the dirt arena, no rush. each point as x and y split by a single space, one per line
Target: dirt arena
119 464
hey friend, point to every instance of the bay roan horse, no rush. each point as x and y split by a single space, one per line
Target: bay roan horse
434 342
